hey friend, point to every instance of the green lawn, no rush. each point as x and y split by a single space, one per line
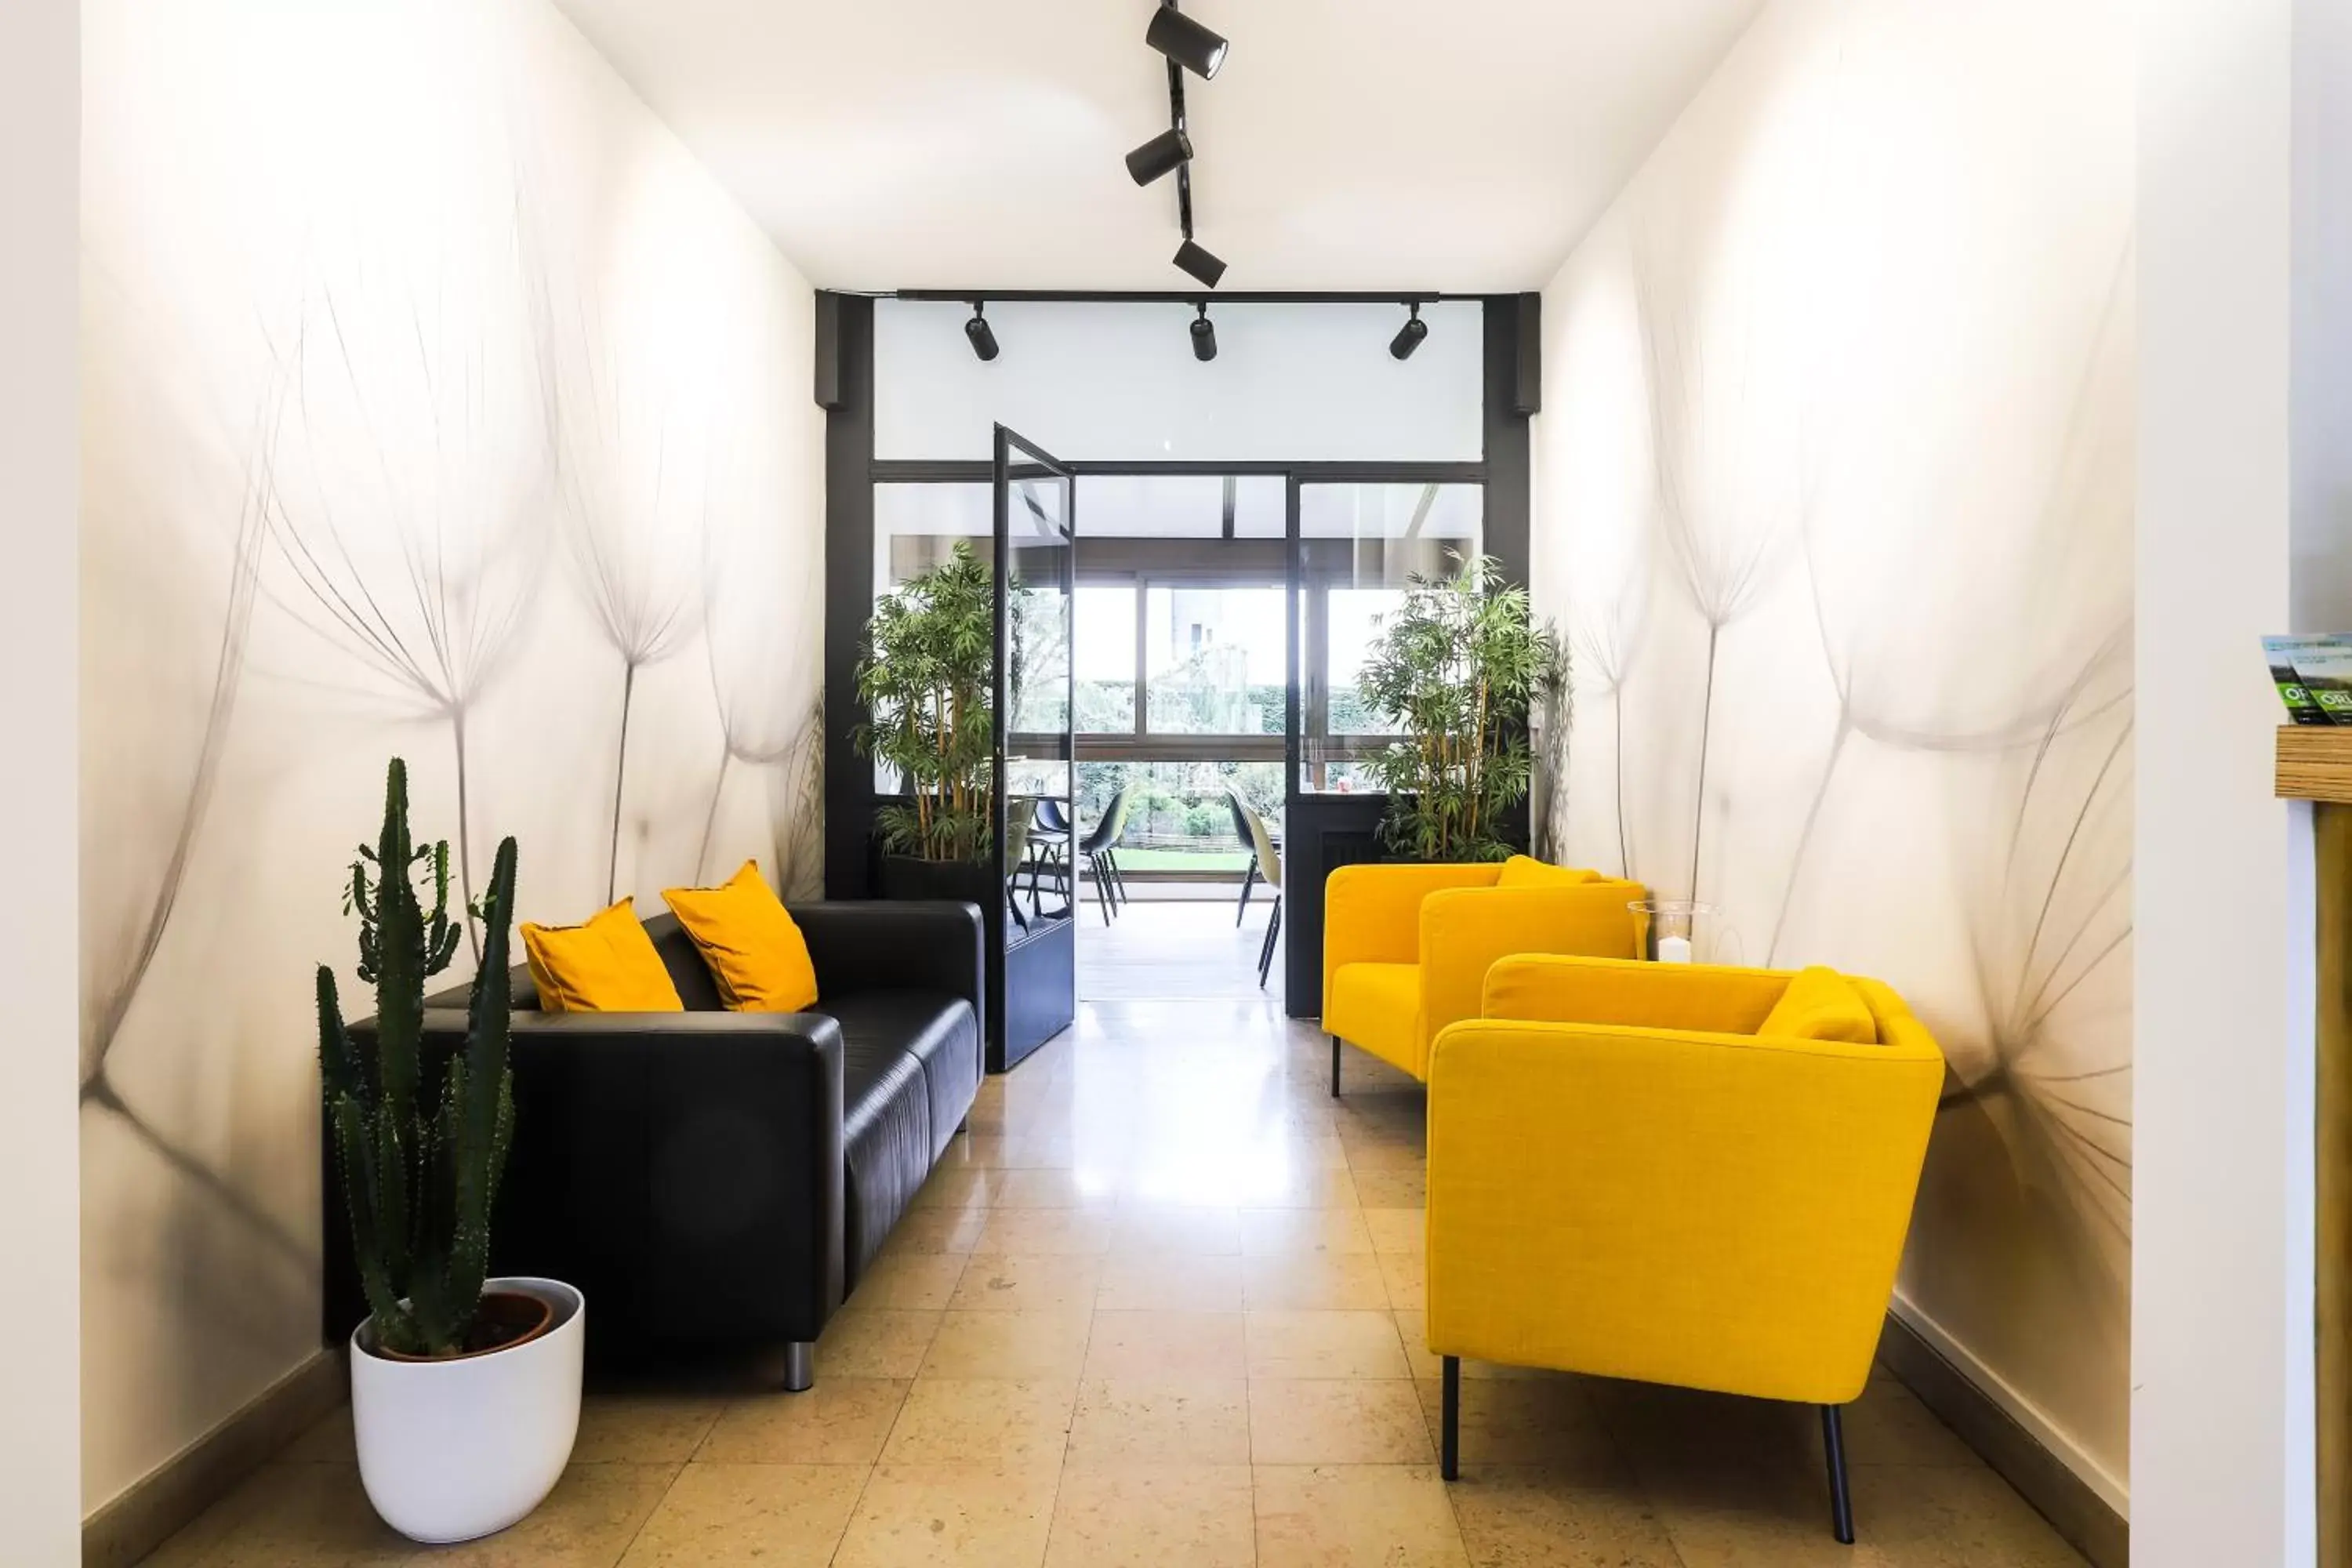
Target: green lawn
1229 860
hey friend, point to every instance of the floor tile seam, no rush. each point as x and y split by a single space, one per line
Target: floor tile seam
858 1502
668 1487
1641 1486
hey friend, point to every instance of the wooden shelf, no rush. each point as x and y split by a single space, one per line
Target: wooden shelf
2314 763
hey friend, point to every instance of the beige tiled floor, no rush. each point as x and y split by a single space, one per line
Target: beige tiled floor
1163 1306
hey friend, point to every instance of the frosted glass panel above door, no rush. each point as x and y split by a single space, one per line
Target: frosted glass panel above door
1112 382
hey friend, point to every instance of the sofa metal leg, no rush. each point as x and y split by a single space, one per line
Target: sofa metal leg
800 1366
1840 1500
1449 1437
1335 1067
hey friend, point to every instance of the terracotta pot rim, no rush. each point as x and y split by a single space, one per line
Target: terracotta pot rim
540 1329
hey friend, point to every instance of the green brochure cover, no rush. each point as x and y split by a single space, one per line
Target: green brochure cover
2323 667
2301 706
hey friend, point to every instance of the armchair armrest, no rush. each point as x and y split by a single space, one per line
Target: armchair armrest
1709 1210
1372 913
1708 997
1464 931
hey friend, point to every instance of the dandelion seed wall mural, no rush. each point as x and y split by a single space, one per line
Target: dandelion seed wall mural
435 402
1834 503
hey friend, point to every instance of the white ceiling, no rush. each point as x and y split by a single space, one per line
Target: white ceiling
1347 145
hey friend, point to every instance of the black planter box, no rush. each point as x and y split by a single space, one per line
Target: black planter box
1032 974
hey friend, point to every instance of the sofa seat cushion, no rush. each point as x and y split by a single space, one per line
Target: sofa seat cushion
939 1031
1377 1007
886 1143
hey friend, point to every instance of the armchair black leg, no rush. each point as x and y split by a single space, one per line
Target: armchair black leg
1249 881
1449 1434
1335 1067
1118 877
1102 886
1840 1500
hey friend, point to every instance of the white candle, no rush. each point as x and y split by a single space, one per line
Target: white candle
1673 949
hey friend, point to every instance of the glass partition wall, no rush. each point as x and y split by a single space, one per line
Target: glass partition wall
1248 522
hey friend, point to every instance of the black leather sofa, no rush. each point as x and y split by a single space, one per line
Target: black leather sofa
709 1178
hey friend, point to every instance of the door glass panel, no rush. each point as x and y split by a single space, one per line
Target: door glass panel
1360 545
1037 634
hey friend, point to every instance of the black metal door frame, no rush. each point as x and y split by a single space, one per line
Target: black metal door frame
1318 827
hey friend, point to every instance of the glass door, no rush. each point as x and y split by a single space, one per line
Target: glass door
1037 849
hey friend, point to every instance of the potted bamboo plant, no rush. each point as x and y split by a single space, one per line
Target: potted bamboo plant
927 682
464 1390
1459 665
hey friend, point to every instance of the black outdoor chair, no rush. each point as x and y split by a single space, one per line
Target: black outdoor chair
1241 831
1265 856
1101 848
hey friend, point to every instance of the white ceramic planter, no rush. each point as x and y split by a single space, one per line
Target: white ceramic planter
450 1450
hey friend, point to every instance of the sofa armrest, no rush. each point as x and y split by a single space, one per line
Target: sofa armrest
1559 989
1466 931
684 1169
1713 1211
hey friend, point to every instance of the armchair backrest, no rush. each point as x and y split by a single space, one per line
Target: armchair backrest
1552 989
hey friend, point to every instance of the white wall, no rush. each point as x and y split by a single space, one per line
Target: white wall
41 1488
1834 489
436 403
2223 1271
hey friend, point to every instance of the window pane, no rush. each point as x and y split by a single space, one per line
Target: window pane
1105 658
1216 657
1356 618
1360 545
916 527
1180 818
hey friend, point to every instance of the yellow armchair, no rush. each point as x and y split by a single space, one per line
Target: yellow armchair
1406 947
1626 1179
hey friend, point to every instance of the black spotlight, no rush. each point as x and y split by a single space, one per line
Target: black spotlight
1185 41
1204 337
1197 260
1159 157
983 341
1410 335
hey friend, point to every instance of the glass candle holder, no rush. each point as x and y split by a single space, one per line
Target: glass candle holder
1667 927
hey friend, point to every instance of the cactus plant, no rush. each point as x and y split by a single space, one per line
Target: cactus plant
420 1161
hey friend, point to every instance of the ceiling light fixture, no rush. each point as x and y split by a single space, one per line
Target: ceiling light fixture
982 338
1186 42
1187 46
1198 261
1409 336
1204 336
1159 157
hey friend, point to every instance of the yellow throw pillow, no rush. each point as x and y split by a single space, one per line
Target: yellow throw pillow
607 966
1525 871
755 952
1819 1005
